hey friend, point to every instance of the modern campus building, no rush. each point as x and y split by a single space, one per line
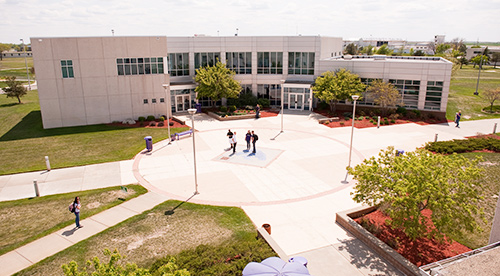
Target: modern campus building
91 80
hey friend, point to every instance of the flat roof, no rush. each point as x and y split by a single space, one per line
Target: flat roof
360 58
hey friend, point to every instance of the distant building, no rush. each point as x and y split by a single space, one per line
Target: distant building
472 52
439 39
13 53
92 80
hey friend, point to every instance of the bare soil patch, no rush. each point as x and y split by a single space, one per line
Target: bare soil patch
420 252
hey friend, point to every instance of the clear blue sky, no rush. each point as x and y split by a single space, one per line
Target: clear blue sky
416 20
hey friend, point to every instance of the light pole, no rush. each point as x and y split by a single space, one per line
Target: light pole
282 101
169 110
26 62
355 98
192 111
479 74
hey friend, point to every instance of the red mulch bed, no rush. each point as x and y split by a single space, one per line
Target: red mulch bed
147 124
420 252
268 113
366 122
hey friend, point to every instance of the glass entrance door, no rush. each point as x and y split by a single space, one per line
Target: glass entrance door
182 103
296 101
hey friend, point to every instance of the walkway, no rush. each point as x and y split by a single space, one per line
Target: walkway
294 182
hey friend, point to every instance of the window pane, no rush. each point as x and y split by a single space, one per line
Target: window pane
70 72
121 72
64 72
63 63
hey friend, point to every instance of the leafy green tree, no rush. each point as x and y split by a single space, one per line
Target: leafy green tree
495 57
384 94
405 185
491 95
114 268
216 82
442 48
14 89
351 49
4 47
462 61
384 50
419 53
480 60
368 50
332 87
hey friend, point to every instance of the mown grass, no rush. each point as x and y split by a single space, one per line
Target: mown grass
24 143
490 190
15 67
33 218
462 88
168 229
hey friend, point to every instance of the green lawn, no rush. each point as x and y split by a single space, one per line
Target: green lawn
489 191
463 86
24 143
202 238
33 218
15 67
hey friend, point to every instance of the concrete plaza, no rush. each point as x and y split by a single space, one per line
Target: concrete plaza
294 182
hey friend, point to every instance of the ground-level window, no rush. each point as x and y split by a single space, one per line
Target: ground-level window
139 66
272 92
433 95
239 62
67 69
178 64
205 59
269 63
301 63
409 90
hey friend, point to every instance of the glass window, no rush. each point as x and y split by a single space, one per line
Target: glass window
67 69
269 63
240 63
301 63
138 66
145 101
153 100
205 59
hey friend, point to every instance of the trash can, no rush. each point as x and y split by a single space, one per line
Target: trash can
149 143
198 107
267 227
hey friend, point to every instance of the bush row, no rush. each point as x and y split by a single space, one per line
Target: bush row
467 145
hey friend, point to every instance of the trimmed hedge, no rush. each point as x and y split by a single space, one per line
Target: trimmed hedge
467 145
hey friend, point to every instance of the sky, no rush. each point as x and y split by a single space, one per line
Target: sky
416 20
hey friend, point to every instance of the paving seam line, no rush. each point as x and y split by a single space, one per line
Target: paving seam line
22 256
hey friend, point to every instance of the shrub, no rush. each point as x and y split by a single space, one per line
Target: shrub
465 145
232 108
401 110
162 119
141 119
394 116
375 118
264 102
150 118
160 124
223 109
371 121
362 112
152 124
360 118
323 106
417 113
347 115
342 123
367 118
393 121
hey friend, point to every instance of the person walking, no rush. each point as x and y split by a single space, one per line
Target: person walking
230 136
234 142
255 137
77 206
248 138
257 111
458 116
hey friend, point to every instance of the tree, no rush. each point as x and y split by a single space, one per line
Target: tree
114 267
384 50
491 95
419 53
384 94
4 47
216 82
495 57
368 50
351 49
332 87
479 60
14 89
405 185
442 48
462 61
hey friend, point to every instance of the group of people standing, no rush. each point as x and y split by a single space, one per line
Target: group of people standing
250 137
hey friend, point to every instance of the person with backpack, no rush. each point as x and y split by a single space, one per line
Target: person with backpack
248 138
255 137
76 209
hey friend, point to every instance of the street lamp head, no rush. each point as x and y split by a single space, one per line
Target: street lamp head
165 85
355 97
282 81
192 111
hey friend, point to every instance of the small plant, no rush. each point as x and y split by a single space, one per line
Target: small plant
367 118
393 121
150 118
141 119
393 243
342 123
401 110
371 121
160 124
360 118
162 119
152 123
171 123
223 109
232 108
394 116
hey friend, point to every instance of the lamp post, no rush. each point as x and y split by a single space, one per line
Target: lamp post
192 111
355 98
479 74
169 109
282 101
26 63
